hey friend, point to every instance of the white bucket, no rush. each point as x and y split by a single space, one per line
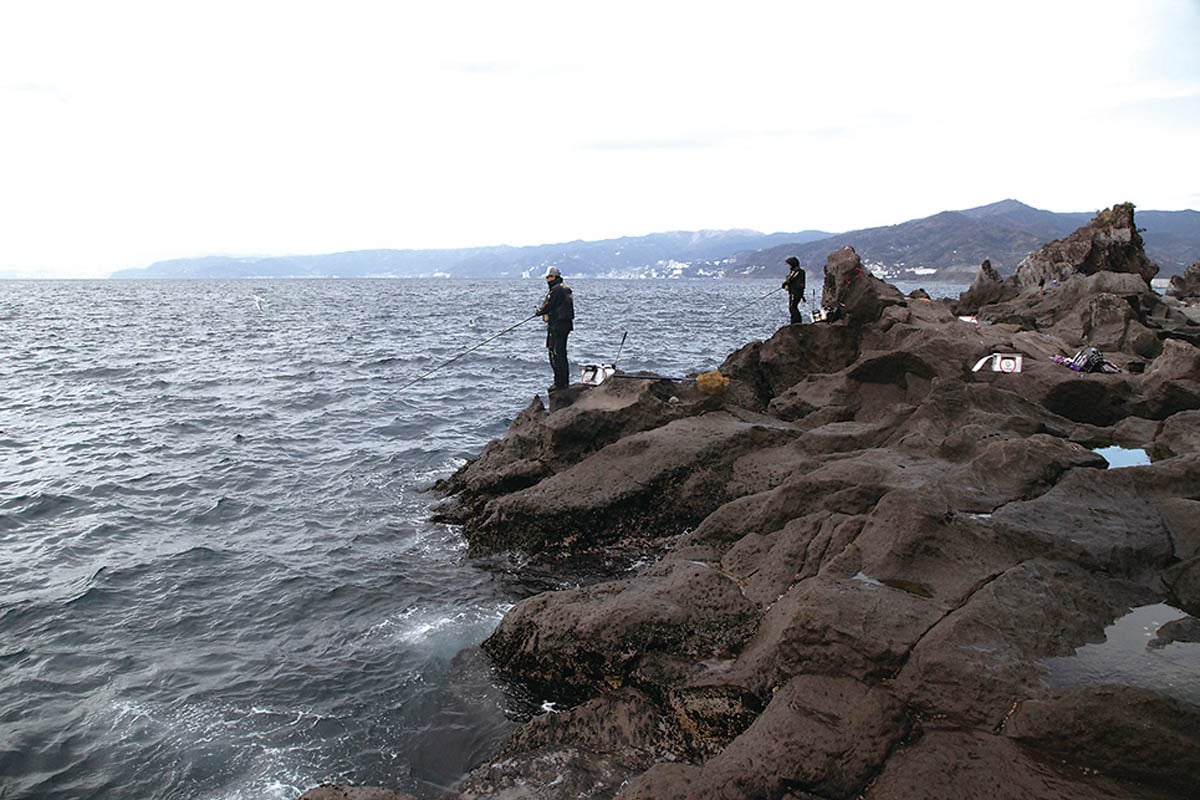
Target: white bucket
1000 362
596 374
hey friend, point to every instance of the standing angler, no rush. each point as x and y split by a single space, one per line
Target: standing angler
558 309
794 283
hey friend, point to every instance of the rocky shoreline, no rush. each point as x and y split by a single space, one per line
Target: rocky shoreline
853 572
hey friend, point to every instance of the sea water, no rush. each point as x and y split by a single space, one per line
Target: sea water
218 574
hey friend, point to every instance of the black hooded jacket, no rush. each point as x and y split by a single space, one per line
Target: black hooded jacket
795 280
558 309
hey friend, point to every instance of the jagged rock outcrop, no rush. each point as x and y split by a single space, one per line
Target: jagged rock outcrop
988 287
1109 243
1187 285
554 489
1091 288
860 570
851 291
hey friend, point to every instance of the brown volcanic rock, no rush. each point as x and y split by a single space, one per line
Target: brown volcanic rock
1109 310
648 484
856 561
852 292
819 734
1187 285
579 642
1092 288
1172 382
1096 519
333 791
1129 733
1178 433
1110 242
762 370
1029 612
539 444
988 287
976 764
836 626
587 751
1183 584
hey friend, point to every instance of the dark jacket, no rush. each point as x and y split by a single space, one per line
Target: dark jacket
558 309
795 281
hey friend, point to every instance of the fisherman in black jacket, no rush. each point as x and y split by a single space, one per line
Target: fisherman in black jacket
558 309
794 283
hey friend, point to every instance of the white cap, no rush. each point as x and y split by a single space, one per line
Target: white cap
552 271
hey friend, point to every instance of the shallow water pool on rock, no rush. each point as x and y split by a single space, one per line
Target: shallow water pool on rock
1138 650
1118 457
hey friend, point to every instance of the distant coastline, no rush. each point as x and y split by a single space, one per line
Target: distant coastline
945 247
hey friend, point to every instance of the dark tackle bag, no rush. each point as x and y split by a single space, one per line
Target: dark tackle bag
1089 359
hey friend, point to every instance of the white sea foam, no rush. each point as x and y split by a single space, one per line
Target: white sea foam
427 625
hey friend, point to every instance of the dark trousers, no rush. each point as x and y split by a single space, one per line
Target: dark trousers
556 344
794 299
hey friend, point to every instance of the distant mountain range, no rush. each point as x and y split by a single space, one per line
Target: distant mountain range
659 254
944 247
951 245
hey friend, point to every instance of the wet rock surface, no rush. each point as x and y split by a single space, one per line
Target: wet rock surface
843 576
1187 285
332 791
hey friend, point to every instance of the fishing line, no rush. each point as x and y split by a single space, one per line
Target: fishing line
741 308
465 352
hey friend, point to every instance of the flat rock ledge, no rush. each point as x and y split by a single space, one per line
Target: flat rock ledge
867 569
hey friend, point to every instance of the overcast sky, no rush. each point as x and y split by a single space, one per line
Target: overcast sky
132 132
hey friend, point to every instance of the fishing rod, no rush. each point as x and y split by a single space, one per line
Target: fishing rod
624 377
620 348
465 352
753 302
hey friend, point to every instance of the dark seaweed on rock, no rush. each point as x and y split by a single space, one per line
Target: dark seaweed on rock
852 565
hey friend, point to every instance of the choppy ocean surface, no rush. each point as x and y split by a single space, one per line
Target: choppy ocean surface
218 578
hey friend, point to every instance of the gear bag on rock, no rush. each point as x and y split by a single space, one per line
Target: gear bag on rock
1089 359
